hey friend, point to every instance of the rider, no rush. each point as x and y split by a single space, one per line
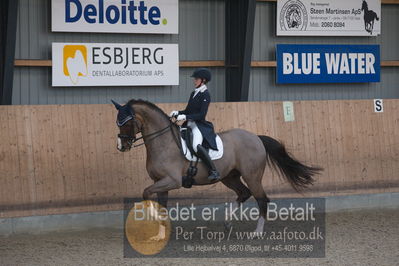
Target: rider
194 115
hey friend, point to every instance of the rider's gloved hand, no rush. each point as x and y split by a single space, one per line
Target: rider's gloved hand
173 113
181 117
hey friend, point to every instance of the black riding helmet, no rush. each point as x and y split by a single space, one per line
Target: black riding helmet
202 73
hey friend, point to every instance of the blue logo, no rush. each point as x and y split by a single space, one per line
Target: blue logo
302 63
133 12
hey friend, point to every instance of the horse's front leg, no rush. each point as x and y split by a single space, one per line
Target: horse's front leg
367 26
164 185
163 198
160 187
371 26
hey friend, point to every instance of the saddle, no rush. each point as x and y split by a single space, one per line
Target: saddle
186 135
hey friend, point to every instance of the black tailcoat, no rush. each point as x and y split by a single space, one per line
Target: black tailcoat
196 110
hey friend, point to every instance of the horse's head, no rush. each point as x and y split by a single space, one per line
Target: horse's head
293 18
129 126
364 5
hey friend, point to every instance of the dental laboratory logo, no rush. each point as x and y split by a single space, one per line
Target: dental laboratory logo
75 62
293 16
122 16
102 64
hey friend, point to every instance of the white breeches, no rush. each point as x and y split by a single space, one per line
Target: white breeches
197 136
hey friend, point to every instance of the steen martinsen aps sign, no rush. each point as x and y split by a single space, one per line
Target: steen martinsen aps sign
312 63
328 17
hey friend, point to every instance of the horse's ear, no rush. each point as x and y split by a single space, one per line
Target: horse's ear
117 105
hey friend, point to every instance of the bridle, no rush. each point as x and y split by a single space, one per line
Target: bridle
131 139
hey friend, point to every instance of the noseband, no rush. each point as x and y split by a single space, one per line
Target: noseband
131 139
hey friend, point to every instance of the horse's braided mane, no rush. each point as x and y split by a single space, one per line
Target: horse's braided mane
149 104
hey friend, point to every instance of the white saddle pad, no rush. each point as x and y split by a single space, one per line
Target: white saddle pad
214 155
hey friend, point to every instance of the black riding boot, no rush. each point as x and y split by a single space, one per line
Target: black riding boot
204 156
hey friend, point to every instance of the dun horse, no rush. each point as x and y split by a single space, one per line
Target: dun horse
245 155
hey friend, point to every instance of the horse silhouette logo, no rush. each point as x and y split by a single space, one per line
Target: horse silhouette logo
293 16
369 17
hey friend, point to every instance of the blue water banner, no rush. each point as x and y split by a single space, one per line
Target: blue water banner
313 63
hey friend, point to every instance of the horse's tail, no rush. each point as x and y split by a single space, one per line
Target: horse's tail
298 174
373 15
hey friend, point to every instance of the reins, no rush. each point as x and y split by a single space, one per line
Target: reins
154 135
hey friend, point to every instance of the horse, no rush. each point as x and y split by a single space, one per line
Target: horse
294 19
245 155
369 17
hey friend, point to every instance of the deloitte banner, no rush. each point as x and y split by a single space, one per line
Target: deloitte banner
105 64
328 17
327 63
115 16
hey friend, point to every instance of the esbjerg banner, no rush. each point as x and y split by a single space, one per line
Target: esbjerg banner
115 16
328 17
312 63
106 64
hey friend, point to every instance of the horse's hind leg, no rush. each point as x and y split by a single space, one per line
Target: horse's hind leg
233 181
255 186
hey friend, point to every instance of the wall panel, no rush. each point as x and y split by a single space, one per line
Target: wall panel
63 158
